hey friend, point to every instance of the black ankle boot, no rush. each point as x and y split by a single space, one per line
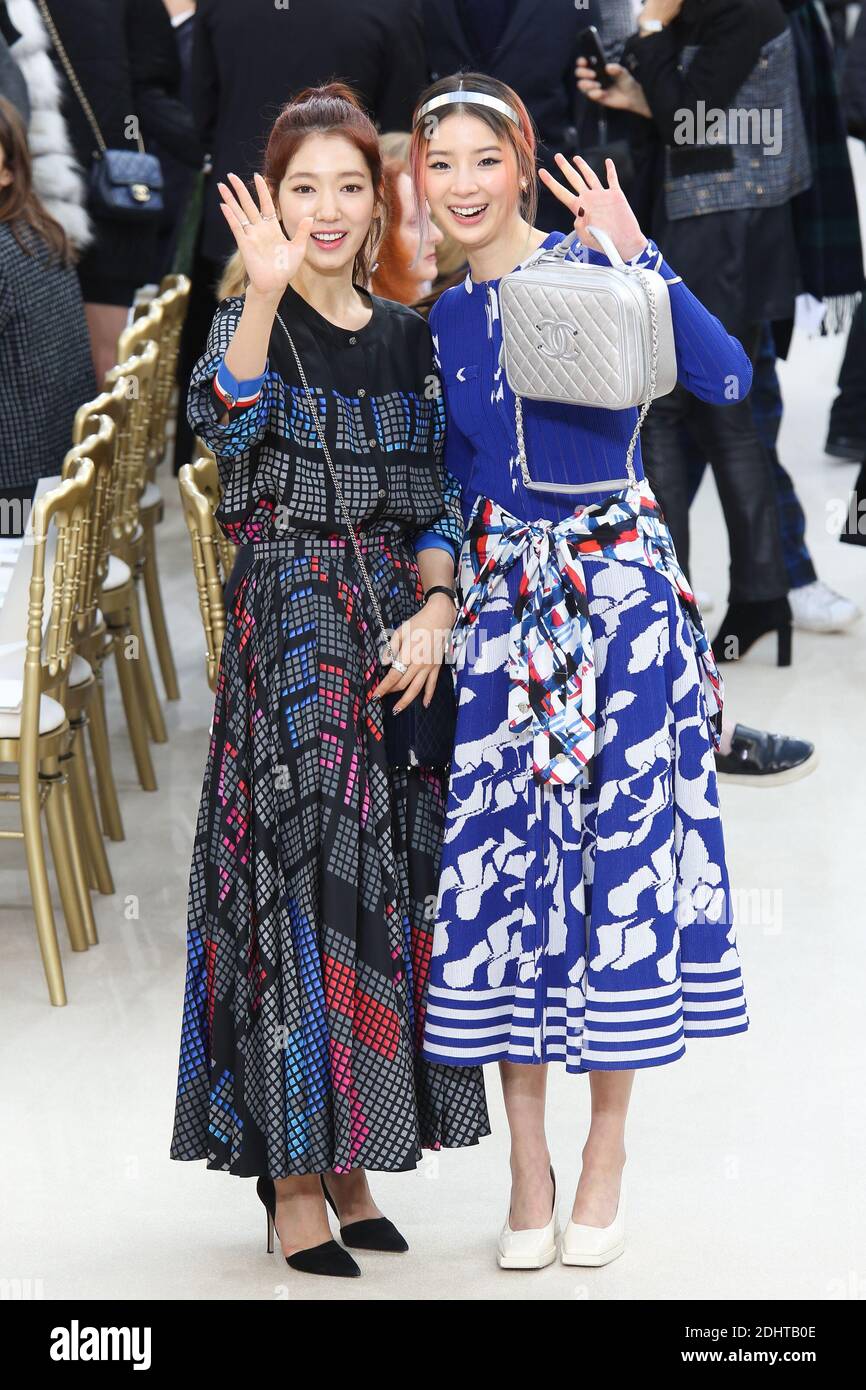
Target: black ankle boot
744 623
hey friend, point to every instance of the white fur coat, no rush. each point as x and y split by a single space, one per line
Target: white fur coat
57 177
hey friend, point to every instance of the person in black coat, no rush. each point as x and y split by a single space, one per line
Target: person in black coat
124 56
740 258
532 45
846 436
851 401
854 81
179 165
12 83
248 60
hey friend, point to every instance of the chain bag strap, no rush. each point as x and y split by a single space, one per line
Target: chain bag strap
124 184
560 253
415 737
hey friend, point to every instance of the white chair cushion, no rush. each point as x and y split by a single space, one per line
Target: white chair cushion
12 667
151 497
118 574
80 671
51 716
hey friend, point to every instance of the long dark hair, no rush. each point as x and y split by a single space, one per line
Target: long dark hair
325 110
29 220
331 109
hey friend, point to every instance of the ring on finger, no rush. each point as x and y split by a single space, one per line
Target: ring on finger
399 665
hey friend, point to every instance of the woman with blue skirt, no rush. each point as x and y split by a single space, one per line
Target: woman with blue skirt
583 911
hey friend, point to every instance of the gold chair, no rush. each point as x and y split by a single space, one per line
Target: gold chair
118 605
139 356
172 303
208 480
82 690
173 300
95 642
35 739
212 553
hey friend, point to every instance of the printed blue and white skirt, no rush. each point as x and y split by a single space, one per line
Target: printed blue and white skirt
590 925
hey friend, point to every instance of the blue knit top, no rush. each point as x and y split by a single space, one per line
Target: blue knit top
564 443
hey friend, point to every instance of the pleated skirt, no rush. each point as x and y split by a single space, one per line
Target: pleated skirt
314 871
590 926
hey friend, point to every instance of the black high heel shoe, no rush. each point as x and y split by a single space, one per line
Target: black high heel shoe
375 1233
327 1258
744 623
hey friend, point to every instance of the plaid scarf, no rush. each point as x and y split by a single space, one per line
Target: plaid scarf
825 215
550 650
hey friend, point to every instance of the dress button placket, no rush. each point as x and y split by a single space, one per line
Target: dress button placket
373 444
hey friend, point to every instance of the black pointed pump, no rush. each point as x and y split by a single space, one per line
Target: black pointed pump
375 1233
327 1258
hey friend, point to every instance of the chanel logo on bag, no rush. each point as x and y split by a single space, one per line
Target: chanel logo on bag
140 192
558 339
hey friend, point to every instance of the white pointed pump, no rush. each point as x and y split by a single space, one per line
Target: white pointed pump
532 1249
595 1245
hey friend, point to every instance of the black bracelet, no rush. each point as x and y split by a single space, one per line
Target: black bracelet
441 589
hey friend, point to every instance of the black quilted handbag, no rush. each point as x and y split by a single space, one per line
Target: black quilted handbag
419 737
416 737
124 184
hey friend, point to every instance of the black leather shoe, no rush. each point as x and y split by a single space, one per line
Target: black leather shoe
762 759
844 446
327 1258
376 1233
744 623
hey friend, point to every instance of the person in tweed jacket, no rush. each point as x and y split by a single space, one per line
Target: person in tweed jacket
46 369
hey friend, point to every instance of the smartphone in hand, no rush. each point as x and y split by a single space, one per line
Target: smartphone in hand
591 49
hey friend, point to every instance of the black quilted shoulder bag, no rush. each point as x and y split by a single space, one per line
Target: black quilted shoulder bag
123 184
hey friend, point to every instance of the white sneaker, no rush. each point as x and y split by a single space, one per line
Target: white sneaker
595 1245
818 608
532 1249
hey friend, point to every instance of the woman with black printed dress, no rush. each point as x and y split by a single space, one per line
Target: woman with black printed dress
315 862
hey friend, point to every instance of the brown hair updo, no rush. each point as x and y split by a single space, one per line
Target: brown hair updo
332 109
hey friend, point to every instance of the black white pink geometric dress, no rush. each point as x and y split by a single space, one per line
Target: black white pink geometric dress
315 865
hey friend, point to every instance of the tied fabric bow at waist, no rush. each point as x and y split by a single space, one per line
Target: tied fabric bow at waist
550 650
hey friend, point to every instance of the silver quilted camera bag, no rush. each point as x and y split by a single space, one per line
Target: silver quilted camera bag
591 335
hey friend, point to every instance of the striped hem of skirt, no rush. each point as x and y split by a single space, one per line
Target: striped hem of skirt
608 1030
